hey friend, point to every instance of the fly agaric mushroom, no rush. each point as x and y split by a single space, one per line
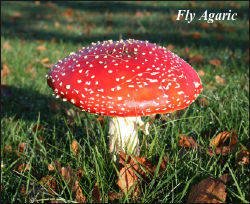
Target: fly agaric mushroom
125 79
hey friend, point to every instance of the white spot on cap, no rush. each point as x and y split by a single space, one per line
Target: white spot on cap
72 101
80 71
180 92
119 98
79 81
196 84
67 86
110 71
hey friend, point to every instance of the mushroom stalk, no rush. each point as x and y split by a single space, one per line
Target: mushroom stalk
123 135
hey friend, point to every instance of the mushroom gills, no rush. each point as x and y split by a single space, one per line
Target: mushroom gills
123 135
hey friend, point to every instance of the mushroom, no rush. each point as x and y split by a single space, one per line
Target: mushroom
125 80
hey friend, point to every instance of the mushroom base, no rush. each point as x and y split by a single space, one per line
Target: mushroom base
123 135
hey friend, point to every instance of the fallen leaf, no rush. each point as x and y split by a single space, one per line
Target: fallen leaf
7 149
175 16
79 197
222 137
16 16
170 47
50 184
51 167
56 24
243 157
38 128
209 190
196 59
5 71
203 101
201 73
96 196
23 167
45 60
69 27
196 35
128 170
139 14
187 141
74 146
128 179
7 46
68 175
115 196
219 80
41 48
21 148
68 12
205 25
215 62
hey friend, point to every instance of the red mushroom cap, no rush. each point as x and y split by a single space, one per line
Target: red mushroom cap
125 78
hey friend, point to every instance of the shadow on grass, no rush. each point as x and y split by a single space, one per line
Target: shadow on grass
169 31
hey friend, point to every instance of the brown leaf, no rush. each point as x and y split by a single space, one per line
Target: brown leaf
201 73
45 60
219 80
175 16
243 157
215 62
79 197
209 191
128 179
51 167
38 128
222 137
41 48
115 196
96 196
17 15
68 12
50 184
196 35
170 47
186 141
56 24
7 149
203 101
23 167
69 27
196 59
74 146
7 46
21 148
139 14
205 25
68 175
5 71
128 168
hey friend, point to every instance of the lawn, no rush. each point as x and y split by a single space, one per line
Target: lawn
41 135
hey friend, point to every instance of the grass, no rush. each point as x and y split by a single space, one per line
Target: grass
63 27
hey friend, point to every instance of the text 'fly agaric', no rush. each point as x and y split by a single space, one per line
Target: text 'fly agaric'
125 79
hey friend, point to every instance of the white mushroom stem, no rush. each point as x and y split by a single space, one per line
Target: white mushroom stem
123 135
